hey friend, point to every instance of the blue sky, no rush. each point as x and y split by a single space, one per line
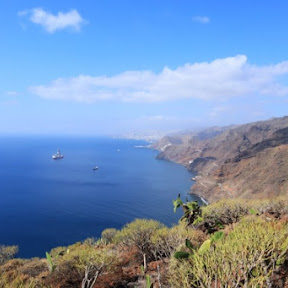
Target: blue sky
112 67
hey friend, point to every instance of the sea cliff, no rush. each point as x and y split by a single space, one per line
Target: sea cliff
247 161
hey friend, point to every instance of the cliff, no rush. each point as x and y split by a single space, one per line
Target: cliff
248 161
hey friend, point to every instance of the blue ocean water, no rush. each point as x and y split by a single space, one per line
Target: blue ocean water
46 203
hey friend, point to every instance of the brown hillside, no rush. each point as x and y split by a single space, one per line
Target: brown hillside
242 161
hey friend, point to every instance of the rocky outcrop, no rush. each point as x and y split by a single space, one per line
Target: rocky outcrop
239 161
280 137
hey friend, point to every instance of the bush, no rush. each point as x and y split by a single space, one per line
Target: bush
7 253
108 235
166 241
246 257
91 241
276 206
138 233
23 273
58 251
90 262
223 213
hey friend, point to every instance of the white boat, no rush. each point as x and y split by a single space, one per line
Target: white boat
58 155
95 168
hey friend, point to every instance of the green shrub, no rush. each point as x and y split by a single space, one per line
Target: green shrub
7 252
224 212
58 251
246 257
108 235
23 273
91 241
275 206
166 241
90 262
138 233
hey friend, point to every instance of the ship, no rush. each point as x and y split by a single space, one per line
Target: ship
58 155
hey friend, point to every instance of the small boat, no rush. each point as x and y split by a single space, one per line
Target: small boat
58 155
95 168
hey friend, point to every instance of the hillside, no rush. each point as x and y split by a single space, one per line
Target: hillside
248 161
230 243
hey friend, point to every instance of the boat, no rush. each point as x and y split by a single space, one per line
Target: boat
95 168
58 155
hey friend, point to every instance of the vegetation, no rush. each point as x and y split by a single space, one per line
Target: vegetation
108 235
246 257
7 252
138 233
191 210
231 243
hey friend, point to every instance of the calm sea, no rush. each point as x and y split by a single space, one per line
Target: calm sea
46 203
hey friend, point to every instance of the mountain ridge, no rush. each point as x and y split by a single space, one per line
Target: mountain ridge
243 161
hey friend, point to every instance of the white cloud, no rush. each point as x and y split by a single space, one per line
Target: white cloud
217 80
12 93
201 19
52 23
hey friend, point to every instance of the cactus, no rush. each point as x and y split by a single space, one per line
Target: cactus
188 244
205 246
51 265
148 282
191 210
181 255
177 203
217 236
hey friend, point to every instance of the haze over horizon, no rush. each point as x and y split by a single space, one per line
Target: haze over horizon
112 67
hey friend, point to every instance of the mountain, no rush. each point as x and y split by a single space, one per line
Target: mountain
247 161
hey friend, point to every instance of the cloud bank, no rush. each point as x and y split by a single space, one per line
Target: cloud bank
220 79
51 23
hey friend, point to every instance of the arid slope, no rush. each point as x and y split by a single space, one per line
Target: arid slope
249 161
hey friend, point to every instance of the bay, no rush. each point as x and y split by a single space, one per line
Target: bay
45 203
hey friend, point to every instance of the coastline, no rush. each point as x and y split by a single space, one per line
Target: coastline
193 178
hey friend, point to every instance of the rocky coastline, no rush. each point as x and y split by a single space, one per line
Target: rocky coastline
246 161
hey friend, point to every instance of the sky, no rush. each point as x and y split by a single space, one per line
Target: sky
115 67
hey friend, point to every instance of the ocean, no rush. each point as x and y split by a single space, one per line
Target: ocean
45 203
